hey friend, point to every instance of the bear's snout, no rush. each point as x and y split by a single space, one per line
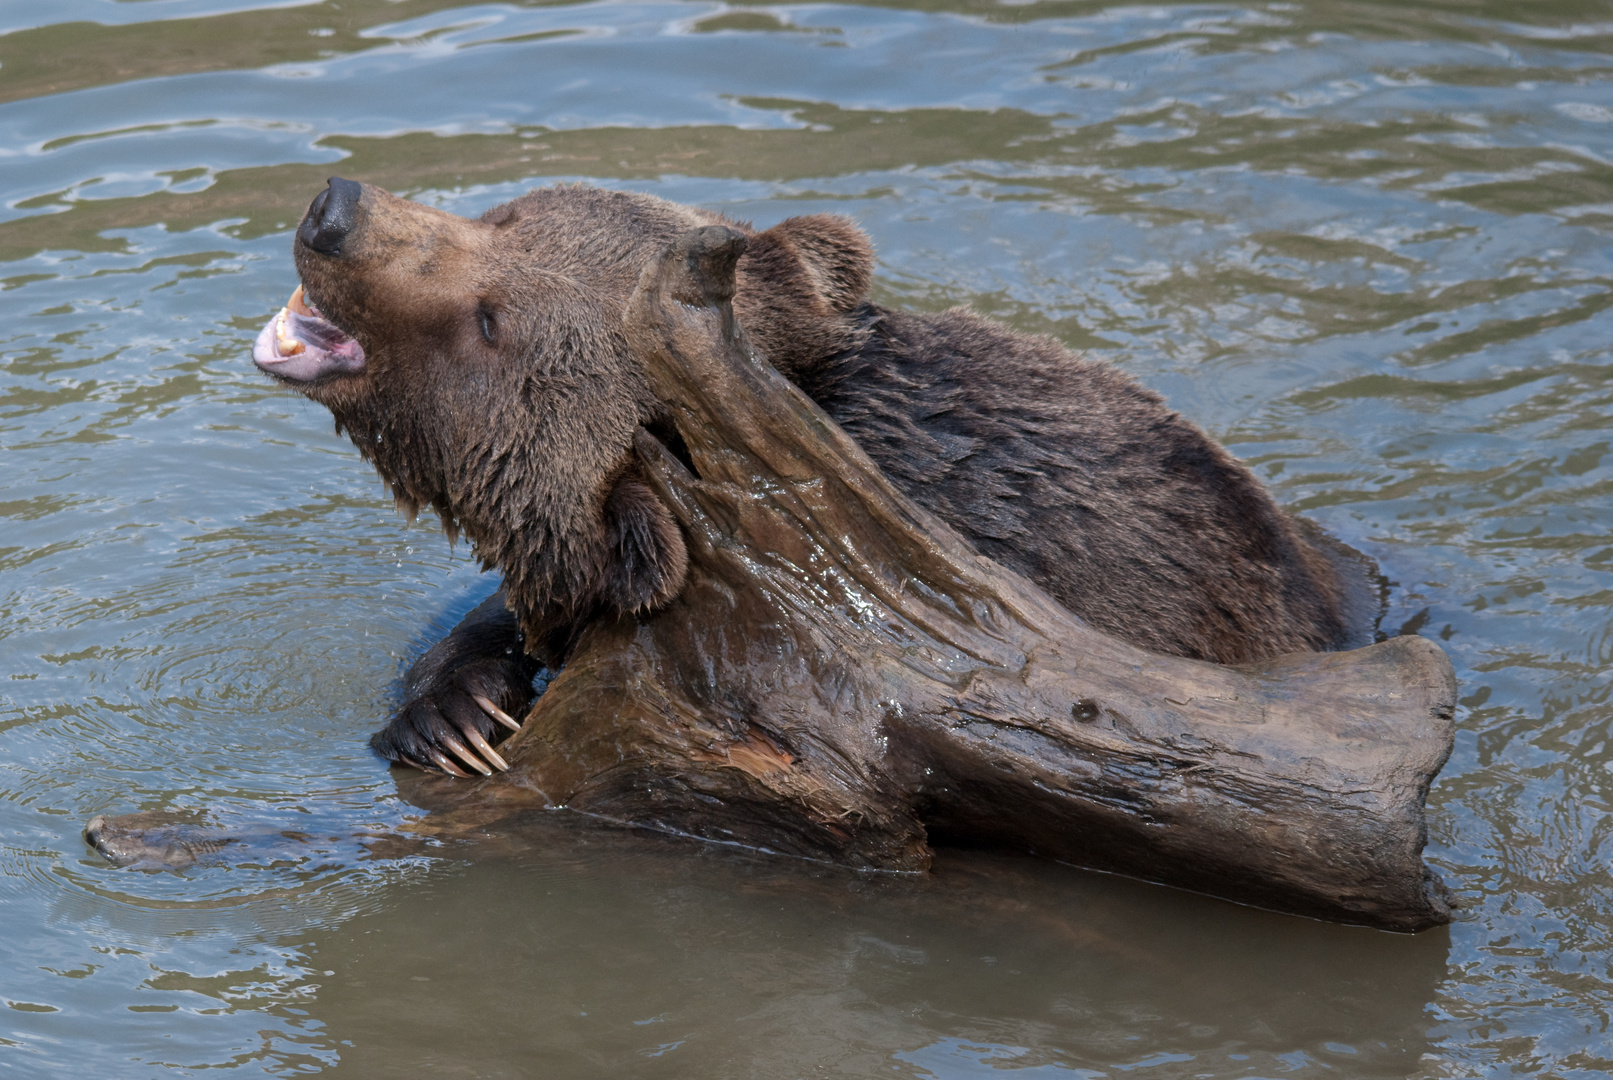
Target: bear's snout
331 216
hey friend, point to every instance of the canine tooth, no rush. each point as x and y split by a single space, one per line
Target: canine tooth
284 343
298 304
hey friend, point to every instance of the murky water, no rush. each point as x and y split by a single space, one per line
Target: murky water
1366 244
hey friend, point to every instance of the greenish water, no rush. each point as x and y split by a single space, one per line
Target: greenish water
1366 244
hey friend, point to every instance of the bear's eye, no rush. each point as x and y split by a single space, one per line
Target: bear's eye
488 323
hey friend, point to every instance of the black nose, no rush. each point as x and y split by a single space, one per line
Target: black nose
331 216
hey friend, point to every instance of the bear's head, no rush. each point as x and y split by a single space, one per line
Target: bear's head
479 364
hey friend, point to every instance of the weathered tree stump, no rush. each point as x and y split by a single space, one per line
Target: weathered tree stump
843 679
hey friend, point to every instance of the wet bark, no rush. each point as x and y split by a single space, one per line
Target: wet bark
844 679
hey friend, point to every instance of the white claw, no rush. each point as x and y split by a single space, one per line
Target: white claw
495 712
440 759
460 751
485 750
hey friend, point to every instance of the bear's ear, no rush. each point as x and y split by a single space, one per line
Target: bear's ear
834 254
648 558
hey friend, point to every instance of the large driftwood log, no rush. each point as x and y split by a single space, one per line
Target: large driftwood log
843 678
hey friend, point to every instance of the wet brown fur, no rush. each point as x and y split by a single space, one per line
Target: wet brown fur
499 392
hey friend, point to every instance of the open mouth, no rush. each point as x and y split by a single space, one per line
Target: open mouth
300 345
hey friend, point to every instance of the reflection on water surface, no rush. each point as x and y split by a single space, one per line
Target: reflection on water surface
1364 243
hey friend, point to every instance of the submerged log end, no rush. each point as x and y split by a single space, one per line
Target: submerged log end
1399 699
1381 723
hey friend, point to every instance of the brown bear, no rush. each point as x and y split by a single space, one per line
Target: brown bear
481 367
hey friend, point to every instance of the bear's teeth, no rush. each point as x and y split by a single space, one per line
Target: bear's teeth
298 303
284 344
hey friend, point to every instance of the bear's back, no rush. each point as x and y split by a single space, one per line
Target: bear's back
1067 471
